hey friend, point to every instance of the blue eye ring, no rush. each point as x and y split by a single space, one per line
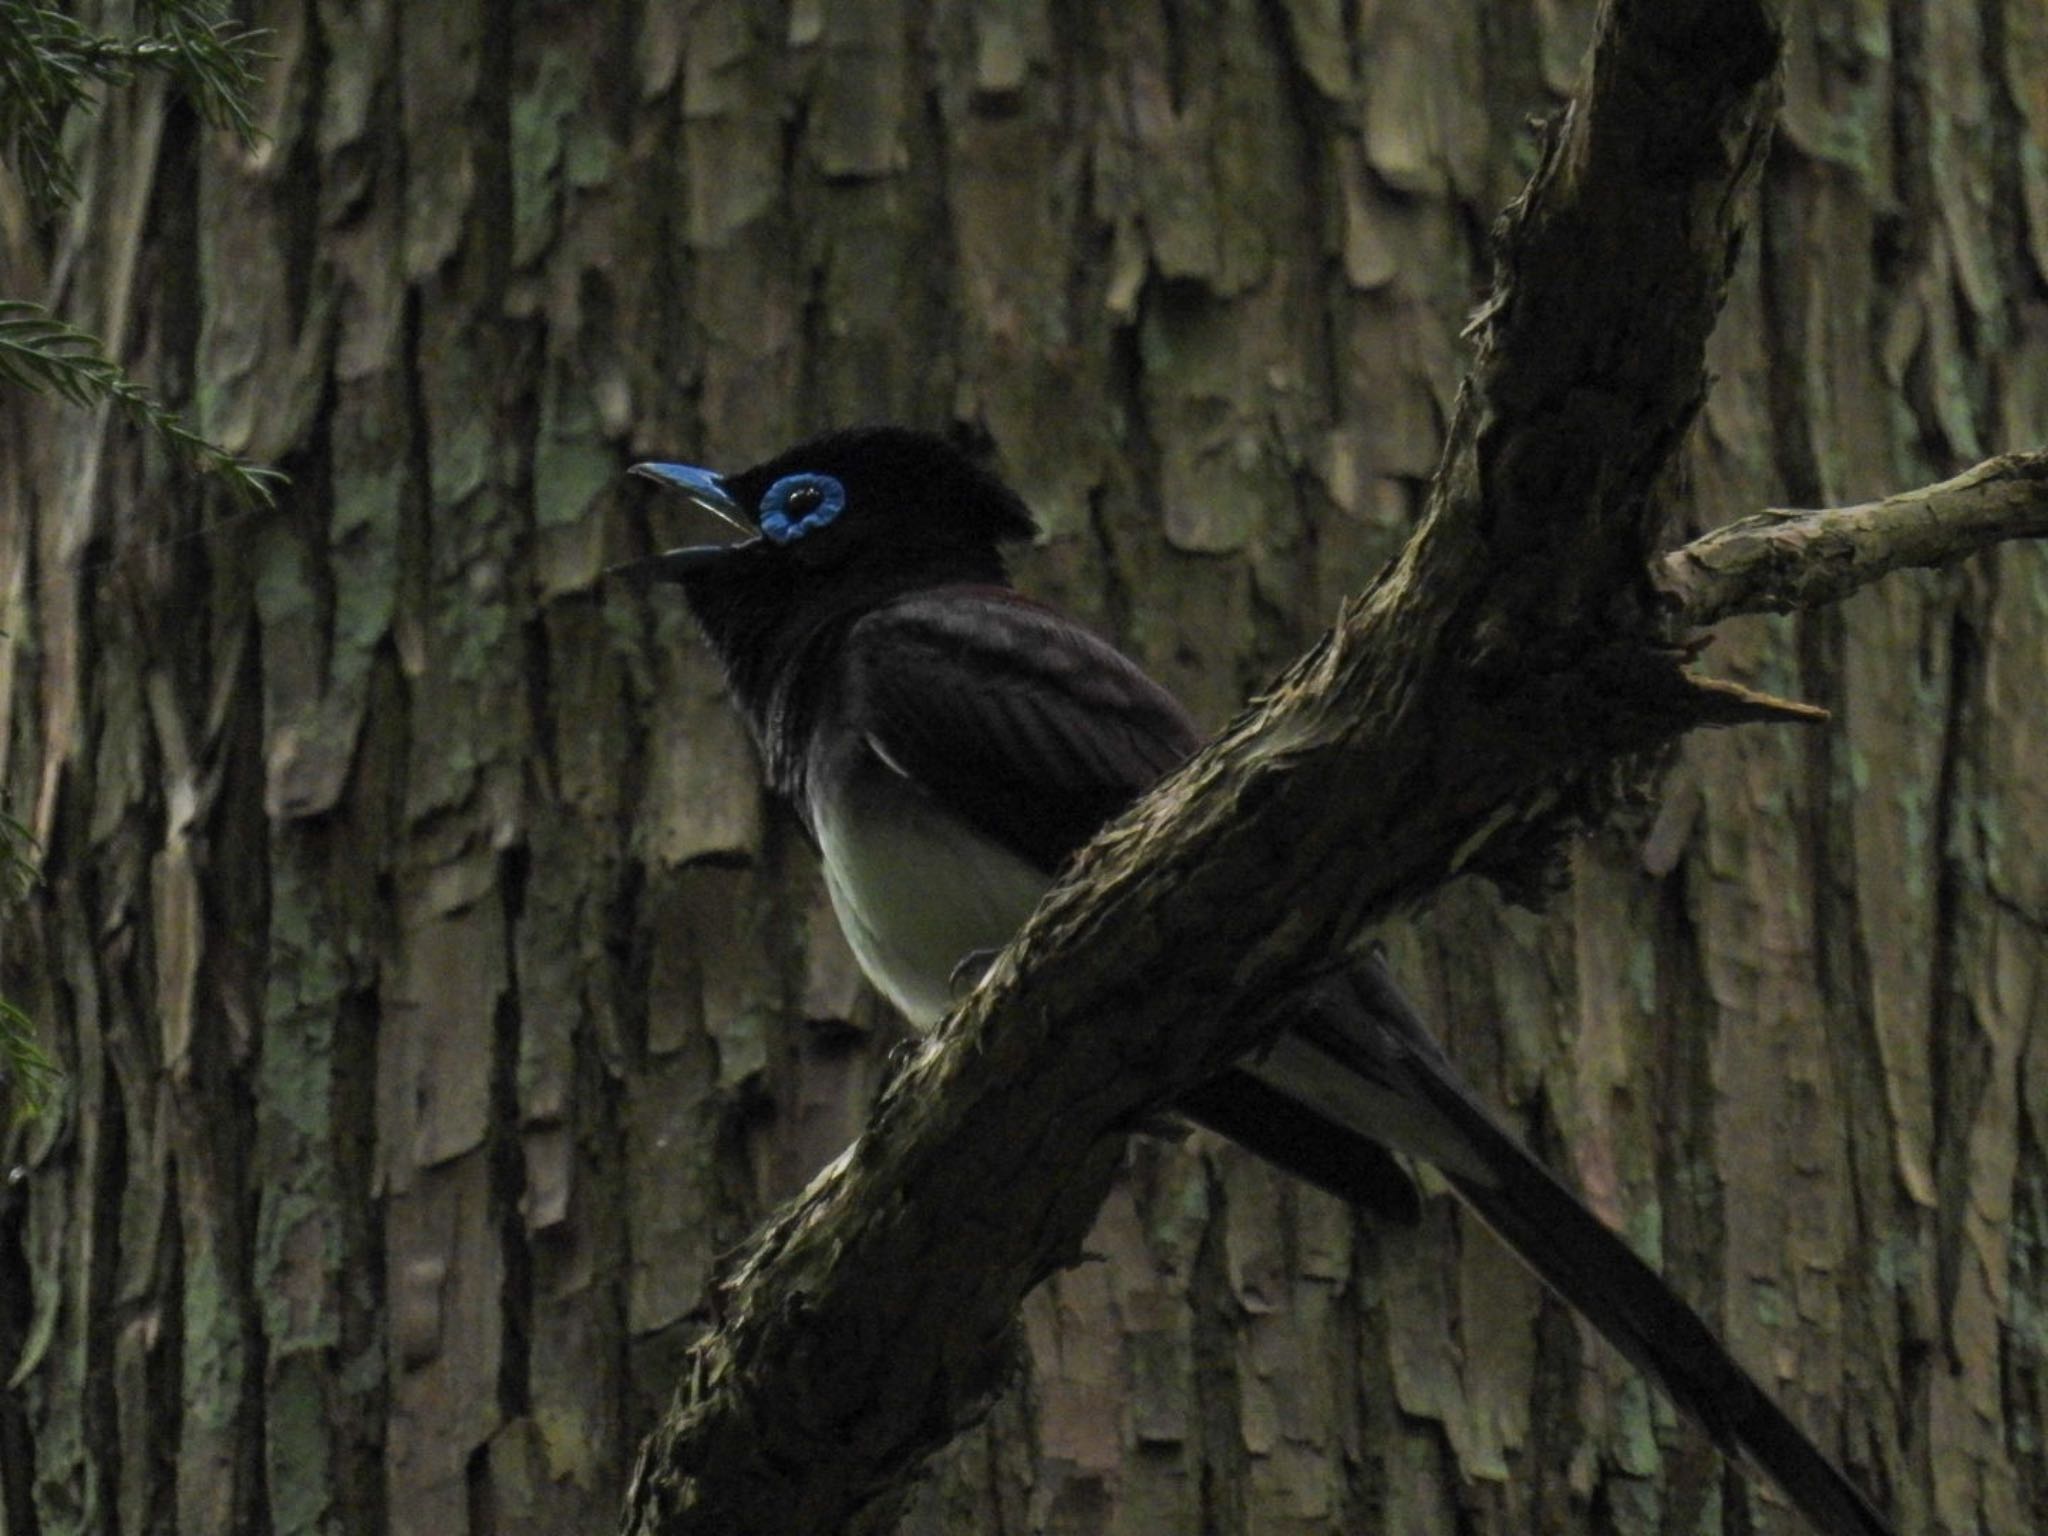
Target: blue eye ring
799 504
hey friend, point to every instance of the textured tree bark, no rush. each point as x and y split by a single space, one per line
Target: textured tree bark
438 999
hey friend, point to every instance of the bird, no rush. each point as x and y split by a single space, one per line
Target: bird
949 743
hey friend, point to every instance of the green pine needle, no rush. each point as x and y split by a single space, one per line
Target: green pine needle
50 62
38 351
27 1075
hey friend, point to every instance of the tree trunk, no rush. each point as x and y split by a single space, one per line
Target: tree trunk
439 999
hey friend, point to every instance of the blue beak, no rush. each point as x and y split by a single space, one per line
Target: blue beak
703 487
707 490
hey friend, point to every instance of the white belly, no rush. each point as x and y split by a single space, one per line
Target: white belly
917 892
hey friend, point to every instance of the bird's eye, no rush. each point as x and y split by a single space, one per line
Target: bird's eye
799 504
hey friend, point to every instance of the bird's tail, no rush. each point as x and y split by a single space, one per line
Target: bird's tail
1362 1056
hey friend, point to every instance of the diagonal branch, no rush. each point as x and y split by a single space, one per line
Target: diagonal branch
1778 562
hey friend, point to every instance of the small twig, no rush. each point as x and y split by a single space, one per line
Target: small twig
1781 562
1720 702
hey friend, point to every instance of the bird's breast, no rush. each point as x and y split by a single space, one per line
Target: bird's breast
916 889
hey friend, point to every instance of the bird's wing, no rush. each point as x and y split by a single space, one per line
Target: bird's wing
1018 720
1038 733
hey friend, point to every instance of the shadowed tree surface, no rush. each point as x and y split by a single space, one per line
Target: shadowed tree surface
439 999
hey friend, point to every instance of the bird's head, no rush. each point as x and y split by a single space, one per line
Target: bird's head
826 530
873 502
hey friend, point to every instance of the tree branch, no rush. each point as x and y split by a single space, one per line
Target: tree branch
1779 562
1463 713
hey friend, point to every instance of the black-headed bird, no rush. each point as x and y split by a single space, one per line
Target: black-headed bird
949 743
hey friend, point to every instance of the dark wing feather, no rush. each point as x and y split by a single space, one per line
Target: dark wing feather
1021 721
